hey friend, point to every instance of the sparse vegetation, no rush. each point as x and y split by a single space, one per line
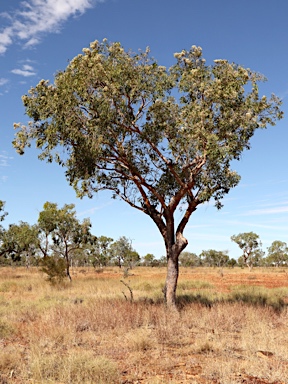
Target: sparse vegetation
230 329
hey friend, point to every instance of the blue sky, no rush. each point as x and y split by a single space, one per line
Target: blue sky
39 37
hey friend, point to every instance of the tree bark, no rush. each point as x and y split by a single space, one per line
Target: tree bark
173 253
68 268
171 281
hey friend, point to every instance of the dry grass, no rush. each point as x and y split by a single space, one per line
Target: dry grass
230 328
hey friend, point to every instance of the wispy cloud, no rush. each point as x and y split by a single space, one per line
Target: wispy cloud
4 160
266 211
35 18
91 211
3 81
26 70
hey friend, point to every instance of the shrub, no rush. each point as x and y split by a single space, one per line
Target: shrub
55 269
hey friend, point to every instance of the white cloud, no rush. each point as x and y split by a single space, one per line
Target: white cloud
3 81
37 17
4 160
22 72
27 67
26 71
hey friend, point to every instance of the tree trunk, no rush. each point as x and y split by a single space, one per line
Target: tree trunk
68 268
171 281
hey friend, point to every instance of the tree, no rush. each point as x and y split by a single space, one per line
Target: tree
67 232
149 260
232 263
123 254
277 253
47 223
213 258
250 243
99 251
189 259
120 129
18 241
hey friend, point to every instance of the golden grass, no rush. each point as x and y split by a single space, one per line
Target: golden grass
230 328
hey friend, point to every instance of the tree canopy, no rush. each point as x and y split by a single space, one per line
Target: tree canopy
157 138
250 244
278 253
67 232
19 240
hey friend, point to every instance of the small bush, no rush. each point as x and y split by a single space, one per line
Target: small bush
55 269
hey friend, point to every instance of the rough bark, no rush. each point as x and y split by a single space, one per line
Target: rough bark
173 253
171 282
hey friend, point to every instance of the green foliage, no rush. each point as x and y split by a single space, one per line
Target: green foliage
110 119
99 251
232 263
257 296
277 253
19 241
250 244
54 268
113 113
68 234
189 259
148 260
212 258
122 253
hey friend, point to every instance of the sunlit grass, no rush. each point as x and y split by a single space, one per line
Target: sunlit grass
90 330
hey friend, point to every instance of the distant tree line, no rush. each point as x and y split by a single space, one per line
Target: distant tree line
60 237
252 254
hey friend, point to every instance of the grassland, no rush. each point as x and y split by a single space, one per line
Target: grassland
232 327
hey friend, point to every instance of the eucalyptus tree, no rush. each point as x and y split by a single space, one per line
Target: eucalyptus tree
47 224
189 259
67 233
20 241
213 258
99 251
250 244
157 138
148 260
123 254
278 253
